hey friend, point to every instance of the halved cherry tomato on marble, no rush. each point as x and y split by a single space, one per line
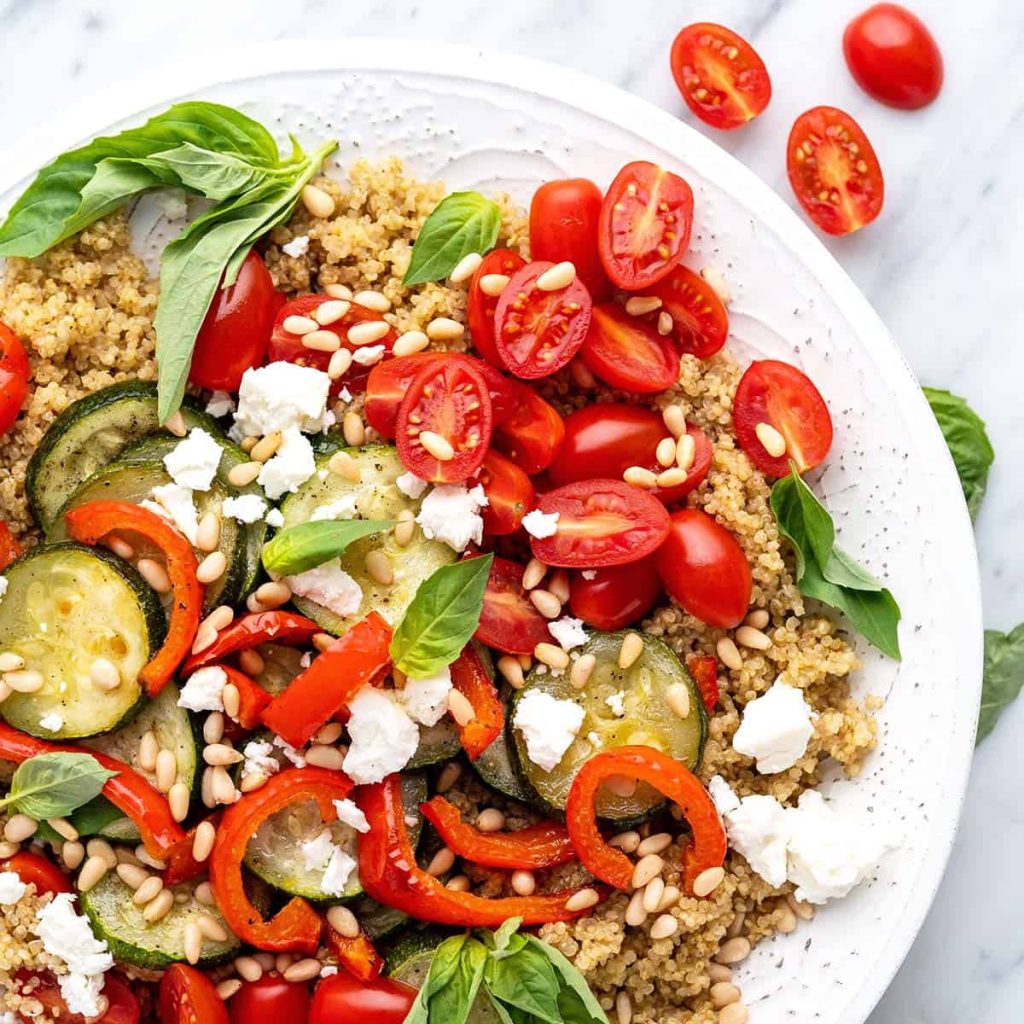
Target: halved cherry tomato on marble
389 382
270 1000
600 522
187 996
509 622
705 570
834 171
288 347
35 870
627 352
482 306
699 319
785 398
14 374
645 226
538 332
122 1006
564 216
893 57
343 998
720 75
614 597
449 401
510 494
532 434
10 549
605 439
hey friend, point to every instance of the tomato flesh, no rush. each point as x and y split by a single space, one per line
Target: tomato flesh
449 399
509 622
537 332
720 75
532 434
510 494
785 398
699 319
482 306
893 57
646 218
618 595
122 1006
10 549
14 374
834 171
270 1000
36 870
628 353
600 522
343 998
705 570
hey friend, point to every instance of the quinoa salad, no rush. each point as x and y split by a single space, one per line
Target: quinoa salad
408 606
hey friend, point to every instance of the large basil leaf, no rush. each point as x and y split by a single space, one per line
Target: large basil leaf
964 431
461 223
1004 675
55 784
308 545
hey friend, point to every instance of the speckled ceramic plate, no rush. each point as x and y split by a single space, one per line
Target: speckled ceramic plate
468 118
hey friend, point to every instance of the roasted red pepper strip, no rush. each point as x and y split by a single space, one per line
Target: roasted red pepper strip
91 522
252 697
297 926
704 669
671 778
252 630
538 846
357 955
390 875
128 791
471 679
333 678
10 549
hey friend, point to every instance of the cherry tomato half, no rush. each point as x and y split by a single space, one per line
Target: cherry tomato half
14 373
343 998
785 398
10 549
705 570
510 494
834 171
389 382
236 330
645 226
600 522
509 622
483 306
35 870
450 401
618 595
537 332
271 1000
721 76
893 57
533 433
704 669
700 321
188 996
605 439
564 216
628 353
288 347
122 1006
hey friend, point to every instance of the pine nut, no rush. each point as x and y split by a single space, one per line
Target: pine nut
443 328
458 883
232 700
248 968
244 474
299 324
5 691
250 783
511 671
559 585
220 618
331 312
101 848
771 440
176 425
460 708
627 842
664 927
728 654
92 873
212 567
546 603
223 788
787 920
166 770
584 898
318 202
466 268
338 291
637 476
675 421
248 443
723 993
369 299
450 774
437 446
708 881
677 697
366 332
492 285
193 943
719 972
158 907
353 430
63 828
638 305
178 800
378 567
252 664
319 341
581 375
228 988
266 448
24 680
734 1013
646 869
211 929
653 891
322 756
669 898
269 962
523 883
303 970
323 641
104 674
72 854
805 911
582 669
11 662
672 477
342 464
623 1008
154 574
202 841
205 637
635 913
343 921
631 649
555 278
120 547
273 594
552 656
758 618
753 638
733 950
441 863
126 856
490 820
658 843
405 527
143 857
148 890
330 733
665 323
133 875
686 452
409 343
665 453
534 572
339 364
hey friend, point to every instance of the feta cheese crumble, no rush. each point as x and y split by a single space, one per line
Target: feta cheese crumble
317 852
329 585
220 404
275 518
193 462
382 737
569 632
246 508
292 465
411 485
759 829
282 395
174 502
548 725
775 729
259 759
350 814
343 508
426 700
367 355
52 722
290 753
337 873
298 246
540 524
12 888
617 703
589 574
451 513
204 690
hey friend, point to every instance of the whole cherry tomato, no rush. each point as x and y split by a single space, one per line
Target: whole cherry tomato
510 494
564 217
705 570
236 330
616 596
10 549
35 870
720 75
271 1000
122 1006
509 622
187 996
482 306
343 998
893 57
628 353
699 319
532 434
14 373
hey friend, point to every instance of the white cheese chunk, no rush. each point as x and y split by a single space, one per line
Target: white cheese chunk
411 485
350 814
329 585
12 888
721 792
3 587
569 632
316 852
193 462
290 753
589 574
759 829
282 395
246 508
174 502
617 703
337 873
382 737
275 518
292 465
451 513
426 700
343 508
204 690
298 246
259 759
367 355
220 404
540 524
775 729
548 725
53 722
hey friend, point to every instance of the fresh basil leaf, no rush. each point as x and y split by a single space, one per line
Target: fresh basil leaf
461 223
1004 675
576 1003
452 1002
308 545
526 981
968 443
92 818
499 942
54 785
216 176
442 617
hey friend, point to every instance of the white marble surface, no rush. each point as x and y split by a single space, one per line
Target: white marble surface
941 266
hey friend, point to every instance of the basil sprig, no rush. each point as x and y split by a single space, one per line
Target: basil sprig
442 617
968 443
525 980
54 785
461 223
1003 677
204 148
826 572
308 545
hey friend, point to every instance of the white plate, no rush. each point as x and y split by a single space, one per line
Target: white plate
488 121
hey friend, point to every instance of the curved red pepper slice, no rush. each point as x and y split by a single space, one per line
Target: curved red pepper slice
390 875
472 680
704 669
10 549
297 926
252 630
669 777
252 697
538 846
91 522
357 955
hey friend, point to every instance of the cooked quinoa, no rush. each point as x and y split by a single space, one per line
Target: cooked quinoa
85 311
